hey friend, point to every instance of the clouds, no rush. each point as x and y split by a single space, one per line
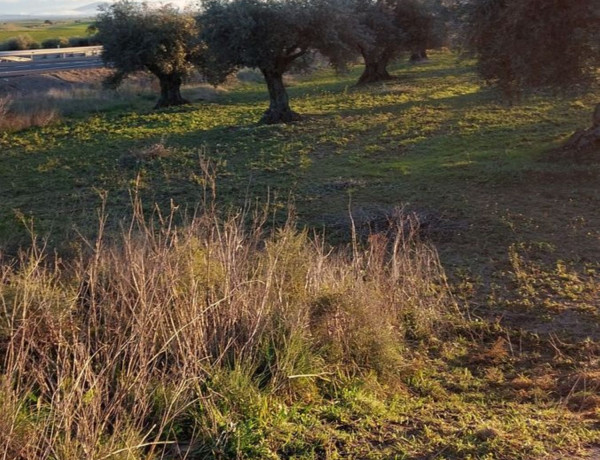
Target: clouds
32 7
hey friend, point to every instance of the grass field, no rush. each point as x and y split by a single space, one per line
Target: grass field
40 31
514 222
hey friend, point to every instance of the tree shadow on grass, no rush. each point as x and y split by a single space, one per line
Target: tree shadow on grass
49 182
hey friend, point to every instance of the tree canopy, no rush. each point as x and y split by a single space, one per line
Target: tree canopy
160 40
391 27
272 35
533 43
525 44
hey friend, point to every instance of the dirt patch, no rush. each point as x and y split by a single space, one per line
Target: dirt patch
571 325
370 219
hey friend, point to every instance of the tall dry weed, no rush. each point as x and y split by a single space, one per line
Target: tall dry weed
14 117
112 355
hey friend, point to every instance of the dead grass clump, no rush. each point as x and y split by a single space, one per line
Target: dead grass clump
145 154
13 118
123 352
584 401
379 300
151 152
581 381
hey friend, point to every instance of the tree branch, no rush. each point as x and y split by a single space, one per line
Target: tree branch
291 57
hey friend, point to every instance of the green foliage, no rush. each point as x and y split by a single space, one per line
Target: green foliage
271 35
397 25
136 37
55 42
535 43
19 43
83 41
160 40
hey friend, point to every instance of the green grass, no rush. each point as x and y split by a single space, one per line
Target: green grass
517 230
436 141
40 31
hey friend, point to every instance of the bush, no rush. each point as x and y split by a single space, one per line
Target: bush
61 42
22 42
136 334
15 117
79 41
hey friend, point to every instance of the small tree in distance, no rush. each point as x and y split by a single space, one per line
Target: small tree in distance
272 35
160 40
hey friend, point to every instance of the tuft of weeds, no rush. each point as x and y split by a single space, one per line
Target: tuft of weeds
224 339
15 118
179 337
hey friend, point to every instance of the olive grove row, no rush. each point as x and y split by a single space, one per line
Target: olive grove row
518 43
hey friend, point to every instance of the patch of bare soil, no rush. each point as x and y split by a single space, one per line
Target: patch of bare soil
570 324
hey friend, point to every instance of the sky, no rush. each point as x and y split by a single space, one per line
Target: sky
54 7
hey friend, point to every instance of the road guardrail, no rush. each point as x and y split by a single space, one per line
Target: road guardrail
58 52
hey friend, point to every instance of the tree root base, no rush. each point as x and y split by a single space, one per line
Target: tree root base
373 79
161 104
273 117
586 139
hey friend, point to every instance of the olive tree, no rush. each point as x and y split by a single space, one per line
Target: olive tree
272 35
393 27
160 40
532 43
523 44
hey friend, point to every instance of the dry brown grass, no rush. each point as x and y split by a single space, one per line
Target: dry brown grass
43 102
105 355
16 119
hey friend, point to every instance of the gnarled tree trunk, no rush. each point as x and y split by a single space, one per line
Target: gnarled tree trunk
418 56
279 110
170 91
375 68
586 138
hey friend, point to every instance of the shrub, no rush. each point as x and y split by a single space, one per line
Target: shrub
16 117
61 42
176 328
79 41
22 42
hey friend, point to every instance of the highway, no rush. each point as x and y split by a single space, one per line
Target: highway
14 69
19 63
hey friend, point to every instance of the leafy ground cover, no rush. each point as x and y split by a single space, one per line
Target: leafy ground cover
515 223
40 31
